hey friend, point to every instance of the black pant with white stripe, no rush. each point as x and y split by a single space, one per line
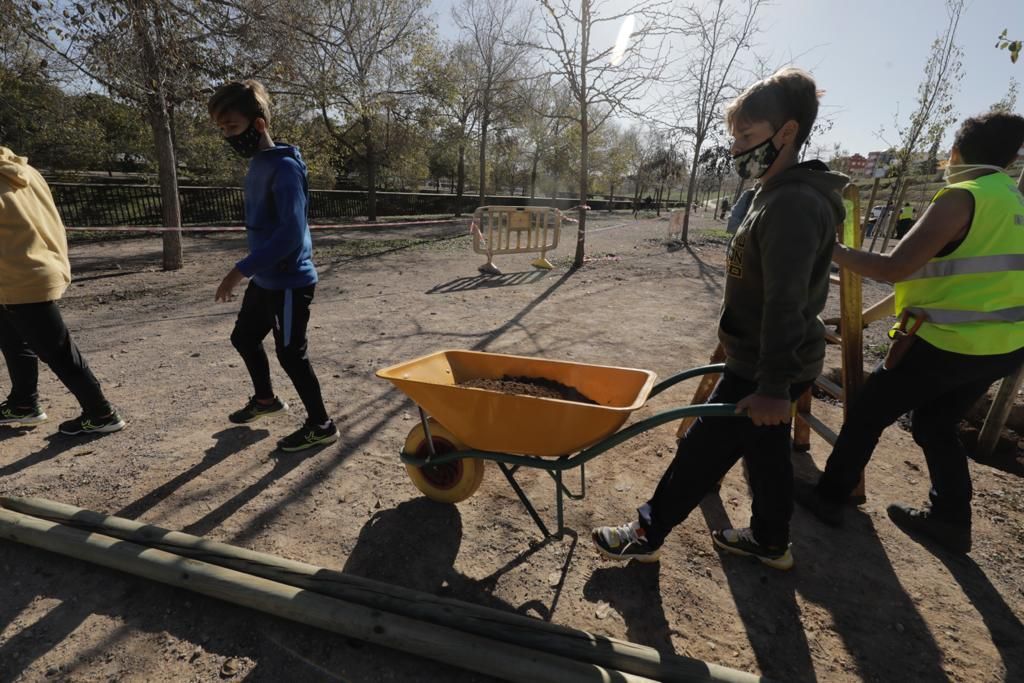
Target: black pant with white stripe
285 312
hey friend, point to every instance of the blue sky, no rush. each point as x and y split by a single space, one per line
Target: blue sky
869 56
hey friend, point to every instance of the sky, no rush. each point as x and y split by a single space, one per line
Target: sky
869 57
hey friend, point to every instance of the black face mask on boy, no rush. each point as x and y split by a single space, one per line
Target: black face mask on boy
246 143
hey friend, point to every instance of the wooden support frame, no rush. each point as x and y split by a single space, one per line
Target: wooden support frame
851 337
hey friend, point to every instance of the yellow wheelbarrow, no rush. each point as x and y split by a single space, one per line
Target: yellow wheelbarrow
462 427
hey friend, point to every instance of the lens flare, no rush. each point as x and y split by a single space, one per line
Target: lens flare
622 42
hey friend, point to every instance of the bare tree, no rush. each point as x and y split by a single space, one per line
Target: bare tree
451 82
353 65
934 112
495 30
721 31
151 54
601 79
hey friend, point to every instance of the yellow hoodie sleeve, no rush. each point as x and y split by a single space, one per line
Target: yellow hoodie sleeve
33 246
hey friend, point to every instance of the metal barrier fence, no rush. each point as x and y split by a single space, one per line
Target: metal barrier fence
99 205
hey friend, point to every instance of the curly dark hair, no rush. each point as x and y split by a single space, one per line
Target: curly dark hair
994 138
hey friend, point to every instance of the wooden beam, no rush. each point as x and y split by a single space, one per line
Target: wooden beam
818 427
516 629
829 387
457 648
851 324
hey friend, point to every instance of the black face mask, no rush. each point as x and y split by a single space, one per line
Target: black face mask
246 143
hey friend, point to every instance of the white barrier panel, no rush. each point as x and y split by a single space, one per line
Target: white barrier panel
515 230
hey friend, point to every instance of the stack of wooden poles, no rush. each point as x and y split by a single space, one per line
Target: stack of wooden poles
500 644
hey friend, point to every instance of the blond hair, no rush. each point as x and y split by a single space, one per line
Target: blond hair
248 98
788 94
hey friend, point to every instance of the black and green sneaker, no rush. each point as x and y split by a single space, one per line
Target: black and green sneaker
742 542
254 410
308 436
21 416
85 424
624 542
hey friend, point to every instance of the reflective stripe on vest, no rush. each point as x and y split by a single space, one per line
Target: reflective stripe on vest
949 316
968 266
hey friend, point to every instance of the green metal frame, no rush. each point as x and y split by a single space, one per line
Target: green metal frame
510 463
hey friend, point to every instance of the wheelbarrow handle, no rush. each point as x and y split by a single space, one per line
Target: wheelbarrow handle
684 375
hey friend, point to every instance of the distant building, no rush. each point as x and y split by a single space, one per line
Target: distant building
852 165
856 165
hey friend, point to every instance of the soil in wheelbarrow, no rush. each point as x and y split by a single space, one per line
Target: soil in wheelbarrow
530 386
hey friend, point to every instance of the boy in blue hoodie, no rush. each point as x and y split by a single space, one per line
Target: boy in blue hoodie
282 277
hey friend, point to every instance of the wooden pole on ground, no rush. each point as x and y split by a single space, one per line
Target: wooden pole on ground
458 648
511 628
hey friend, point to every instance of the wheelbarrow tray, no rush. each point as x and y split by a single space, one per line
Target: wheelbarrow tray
489 420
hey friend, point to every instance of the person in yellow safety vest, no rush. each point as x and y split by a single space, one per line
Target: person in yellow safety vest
959 292
905 221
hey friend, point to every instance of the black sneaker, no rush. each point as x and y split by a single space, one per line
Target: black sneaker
26 416
308 436
624 543
807 495
254 410
742 542
84 424
950 535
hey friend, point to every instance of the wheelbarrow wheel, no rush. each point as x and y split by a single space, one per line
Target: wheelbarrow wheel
450 482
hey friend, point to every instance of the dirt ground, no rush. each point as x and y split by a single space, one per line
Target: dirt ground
865 603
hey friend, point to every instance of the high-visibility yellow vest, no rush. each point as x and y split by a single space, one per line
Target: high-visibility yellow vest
906 212
972 300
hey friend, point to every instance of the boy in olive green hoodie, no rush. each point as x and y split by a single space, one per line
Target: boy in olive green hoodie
34 272
776 286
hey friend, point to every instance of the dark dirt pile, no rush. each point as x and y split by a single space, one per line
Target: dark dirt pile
539 387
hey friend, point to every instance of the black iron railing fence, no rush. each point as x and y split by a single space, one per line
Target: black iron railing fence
97 205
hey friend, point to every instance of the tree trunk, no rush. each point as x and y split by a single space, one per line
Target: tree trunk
371 170
739 191
533 175
581 233
460 181
485 120
162 138
611 196
690 187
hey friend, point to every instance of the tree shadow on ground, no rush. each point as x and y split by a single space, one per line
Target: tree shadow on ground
766 603
283 464
710 276
175 625
228 442
464 284
847 571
